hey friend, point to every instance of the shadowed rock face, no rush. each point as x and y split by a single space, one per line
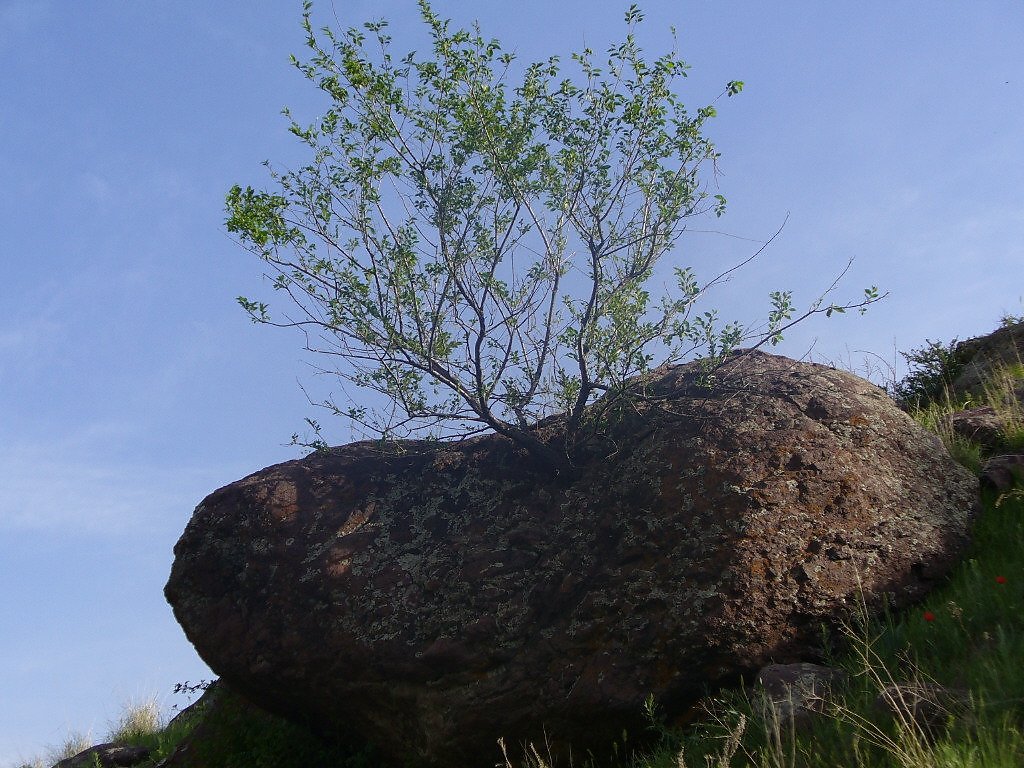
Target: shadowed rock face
435 600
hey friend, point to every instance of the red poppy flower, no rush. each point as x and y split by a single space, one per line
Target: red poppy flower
929 616
1000 579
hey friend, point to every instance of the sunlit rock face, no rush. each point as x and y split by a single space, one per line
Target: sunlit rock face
435 597
984 355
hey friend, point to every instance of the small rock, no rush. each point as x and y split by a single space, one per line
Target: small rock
927 707
984 355
108 756
981 425
797 692
1003 472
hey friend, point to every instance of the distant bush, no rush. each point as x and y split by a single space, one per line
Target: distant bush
933 369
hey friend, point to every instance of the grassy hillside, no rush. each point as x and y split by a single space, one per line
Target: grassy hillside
963 649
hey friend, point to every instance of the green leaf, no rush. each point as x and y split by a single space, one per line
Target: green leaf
476 242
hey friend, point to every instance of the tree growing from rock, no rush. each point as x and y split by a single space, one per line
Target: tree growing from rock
474 239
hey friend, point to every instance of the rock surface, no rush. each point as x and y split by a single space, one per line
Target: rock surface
796 693
106 756
1003 473
981 425
982 355
225 729
436 597
926 708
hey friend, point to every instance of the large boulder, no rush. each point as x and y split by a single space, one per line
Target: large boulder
433 597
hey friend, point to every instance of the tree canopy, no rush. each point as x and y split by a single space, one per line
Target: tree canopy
474 238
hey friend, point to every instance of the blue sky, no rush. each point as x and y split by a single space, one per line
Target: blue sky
131 385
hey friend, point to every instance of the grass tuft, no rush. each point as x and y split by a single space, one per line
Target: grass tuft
139 723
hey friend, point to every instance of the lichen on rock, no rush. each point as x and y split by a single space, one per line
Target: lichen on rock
435 599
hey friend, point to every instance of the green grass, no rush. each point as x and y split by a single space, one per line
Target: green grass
968 635
974 642
998 392
140 724
234 735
